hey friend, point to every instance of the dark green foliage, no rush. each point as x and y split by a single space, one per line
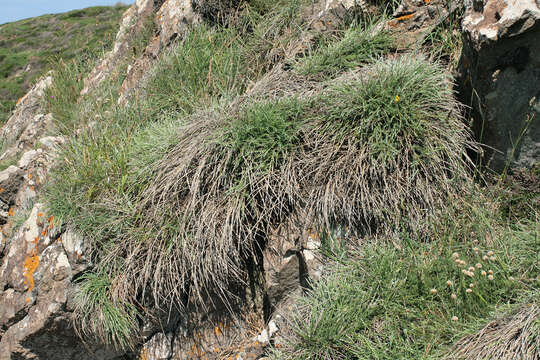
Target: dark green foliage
264 134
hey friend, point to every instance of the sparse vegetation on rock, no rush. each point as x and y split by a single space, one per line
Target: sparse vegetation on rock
288 180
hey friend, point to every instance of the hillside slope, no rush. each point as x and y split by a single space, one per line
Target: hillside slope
287 180
28 47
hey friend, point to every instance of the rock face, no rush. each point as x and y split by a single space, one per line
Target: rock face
172 19
27 123
133 21
500 79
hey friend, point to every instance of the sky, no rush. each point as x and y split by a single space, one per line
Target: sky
13 10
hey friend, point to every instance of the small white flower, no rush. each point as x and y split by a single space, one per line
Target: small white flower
449 283
455 255
455 318
468 291
490 277
478 265
453 296
433 291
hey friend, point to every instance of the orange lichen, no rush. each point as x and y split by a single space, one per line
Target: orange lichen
51 219
30 265
427 1
40 214
144 354
44 232
405 17
11 211
30 176
2 190
18 101
217 330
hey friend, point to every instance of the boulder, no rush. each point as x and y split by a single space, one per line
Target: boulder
500 79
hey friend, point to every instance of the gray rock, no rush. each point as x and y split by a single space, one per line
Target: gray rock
25 112
11 180
500 79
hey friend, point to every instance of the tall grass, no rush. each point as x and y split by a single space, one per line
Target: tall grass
109 159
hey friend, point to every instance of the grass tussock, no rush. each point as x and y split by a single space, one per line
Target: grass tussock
413 300
100 314
111 151
359 45
179 190
207 64
232 176
515 335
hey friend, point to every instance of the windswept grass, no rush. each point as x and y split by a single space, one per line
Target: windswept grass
322 155
110 157
179 191
513 334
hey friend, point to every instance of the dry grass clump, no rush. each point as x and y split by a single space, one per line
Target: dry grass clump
376 151
514 336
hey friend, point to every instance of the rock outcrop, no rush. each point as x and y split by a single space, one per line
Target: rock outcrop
500 79
27 123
